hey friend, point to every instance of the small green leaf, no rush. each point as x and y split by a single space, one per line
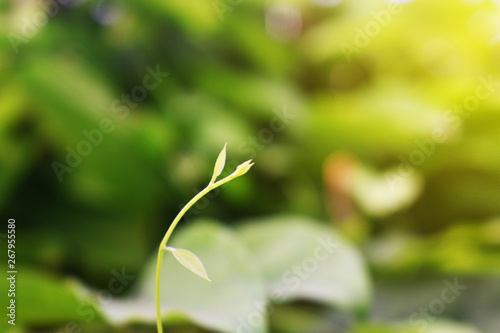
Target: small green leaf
219 164
189 260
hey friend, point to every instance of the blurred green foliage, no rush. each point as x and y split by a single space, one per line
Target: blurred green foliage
379 119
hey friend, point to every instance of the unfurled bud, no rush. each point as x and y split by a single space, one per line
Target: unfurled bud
242 168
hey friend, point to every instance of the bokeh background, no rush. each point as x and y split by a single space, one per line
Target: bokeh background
372 122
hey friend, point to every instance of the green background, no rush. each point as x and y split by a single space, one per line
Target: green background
375 123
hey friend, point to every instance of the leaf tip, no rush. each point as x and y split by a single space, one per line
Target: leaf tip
219 164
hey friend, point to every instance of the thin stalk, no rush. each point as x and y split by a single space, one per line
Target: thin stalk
163 244
219 165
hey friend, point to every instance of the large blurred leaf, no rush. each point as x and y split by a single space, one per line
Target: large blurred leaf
223 304
302 259
42 299
463 248
430 327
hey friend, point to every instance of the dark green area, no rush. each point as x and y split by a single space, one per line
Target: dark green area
372 122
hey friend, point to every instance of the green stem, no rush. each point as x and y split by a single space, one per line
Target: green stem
240 170
163 243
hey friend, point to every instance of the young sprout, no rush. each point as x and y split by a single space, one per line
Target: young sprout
185 257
